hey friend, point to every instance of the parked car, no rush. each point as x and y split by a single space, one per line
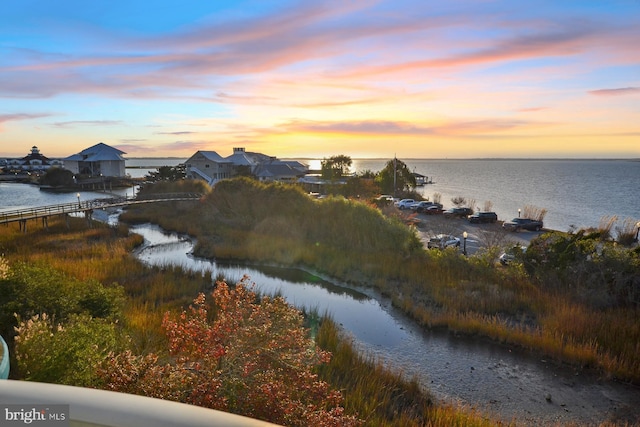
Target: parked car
386 198
420 207
479 217
433 210
457 212
517 224
443 241
510 255
404 204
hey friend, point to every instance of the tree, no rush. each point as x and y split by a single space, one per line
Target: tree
336 167
168 173
57 177
250 356
396 177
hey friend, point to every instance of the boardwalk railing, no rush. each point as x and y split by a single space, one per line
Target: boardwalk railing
90 205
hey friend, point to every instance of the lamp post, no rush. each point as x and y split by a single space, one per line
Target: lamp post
464 245
78 196
519 210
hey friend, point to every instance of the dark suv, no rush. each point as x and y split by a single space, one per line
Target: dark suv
517 224
479 217
457 212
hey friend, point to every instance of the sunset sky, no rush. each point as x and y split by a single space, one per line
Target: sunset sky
412 78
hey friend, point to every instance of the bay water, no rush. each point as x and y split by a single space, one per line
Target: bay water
575 193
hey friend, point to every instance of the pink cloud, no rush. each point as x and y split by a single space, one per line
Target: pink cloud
184 132
21 116
5 118
542 44
531 109
616 92
400 128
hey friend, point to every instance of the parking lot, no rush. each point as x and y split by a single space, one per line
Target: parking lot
478 235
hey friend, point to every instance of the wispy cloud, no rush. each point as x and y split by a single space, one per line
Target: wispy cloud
400 128
185 146
21 116
544 43
616 92
531 109
75 123
129 141
5 118
183 132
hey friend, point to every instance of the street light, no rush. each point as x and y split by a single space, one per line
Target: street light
78 196
464 246
519 210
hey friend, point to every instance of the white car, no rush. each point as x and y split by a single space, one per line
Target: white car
443 241
405 204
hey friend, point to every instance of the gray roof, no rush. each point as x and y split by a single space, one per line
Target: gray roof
98 153
276 169
212 155
247 158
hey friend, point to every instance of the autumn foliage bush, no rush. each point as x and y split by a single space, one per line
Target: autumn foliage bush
246 355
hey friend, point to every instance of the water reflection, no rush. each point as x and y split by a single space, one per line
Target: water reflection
358 313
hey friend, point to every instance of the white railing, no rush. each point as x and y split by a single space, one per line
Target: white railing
100 408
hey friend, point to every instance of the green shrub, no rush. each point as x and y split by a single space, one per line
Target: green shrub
63 353
30 289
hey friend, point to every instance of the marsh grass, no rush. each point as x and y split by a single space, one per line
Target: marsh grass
381 395
534 212
627 232
246 220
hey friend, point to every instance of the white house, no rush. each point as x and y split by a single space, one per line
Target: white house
212 167
98 160
33 162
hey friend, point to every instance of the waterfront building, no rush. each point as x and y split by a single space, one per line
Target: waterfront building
98 160
34 162
211 167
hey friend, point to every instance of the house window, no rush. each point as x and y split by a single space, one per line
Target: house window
206 166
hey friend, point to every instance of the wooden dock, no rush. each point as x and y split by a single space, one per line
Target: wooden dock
86 207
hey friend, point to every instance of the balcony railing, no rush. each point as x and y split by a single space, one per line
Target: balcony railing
100 408
4 360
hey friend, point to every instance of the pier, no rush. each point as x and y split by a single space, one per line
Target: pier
86 207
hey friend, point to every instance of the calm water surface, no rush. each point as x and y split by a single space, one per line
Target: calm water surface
20 196
575 192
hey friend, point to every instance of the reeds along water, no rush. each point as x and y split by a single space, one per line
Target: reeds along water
351 241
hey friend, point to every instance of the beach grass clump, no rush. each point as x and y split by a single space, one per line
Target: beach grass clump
534 212
627 233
